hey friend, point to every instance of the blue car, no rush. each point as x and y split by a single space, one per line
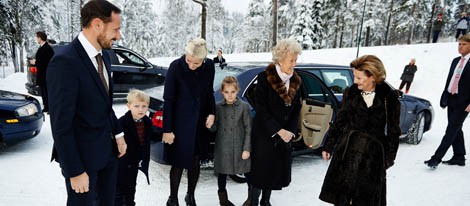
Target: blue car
20 117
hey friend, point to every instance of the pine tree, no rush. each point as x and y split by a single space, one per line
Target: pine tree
303 27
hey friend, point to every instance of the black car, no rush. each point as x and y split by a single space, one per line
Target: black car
20 117
322 91
129 70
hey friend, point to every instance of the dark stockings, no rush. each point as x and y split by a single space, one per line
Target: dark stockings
175 178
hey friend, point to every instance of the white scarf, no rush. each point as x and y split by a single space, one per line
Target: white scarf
284 77
368 98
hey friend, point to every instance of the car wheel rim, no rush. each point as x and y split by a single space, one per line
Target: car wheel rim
420 131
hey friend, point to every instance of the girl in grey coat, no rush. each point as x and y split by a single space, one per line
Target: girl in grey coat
233 138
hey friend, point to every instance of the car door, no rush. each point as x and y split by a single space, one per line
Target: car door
319 107
130 70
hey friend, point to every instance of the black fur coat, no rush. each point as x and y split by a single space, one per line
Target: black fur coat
363 142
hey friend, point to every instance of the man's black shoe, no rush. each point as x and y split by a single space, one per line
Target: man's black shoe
432 163
453 161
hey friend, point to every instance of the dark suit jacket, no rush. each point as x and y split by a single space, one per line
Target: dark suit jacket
463 97
216 60
136 152
43 56
189 99
83 122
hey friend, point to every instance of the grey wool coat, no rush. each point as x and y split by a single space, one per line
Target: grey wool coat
233 125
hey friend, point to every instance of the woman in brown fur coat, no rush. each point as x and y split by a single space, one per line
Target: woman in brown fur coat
363 139
277 105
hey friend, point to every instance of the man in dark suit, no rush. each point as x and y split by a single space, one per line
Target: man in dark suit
87 135
43 56
219 58
456 97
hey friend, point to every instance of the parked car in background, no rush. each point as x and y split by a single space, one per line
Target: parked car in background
321 93
20 117
129 70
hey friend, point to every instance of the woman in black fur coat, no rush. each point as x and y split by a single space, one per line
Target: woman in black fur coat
363 141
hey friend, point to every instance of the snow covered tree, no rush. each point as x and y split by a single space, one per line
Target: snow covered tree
317 24
302 30
257 31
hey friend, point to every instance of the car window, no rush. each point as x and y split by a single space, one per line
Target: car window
337 80
128 58
220 74
313 89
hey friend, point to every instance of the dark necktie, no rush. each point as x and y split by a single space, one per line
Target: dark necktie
99 60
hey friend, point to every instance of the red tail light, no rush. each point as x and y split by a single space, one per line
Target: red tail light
157 119
33 70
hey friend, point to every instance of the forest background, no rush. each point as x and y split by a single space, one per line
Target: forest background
156 28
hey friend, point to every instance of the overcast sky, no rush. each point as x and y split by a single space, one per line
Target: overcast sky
236 5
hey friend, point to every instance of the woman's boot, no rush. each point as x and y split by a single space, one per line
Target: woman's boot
265 198
223 199
248 199
189 199
172 201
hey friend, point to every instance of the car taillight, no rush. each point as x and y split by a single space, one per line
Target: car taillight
157 119
33 70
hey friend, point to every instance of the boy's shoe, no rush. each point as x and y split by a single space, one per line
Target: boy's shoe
432 163
172 202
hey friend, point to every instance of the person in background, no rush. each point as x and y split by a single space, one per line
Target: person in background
408 75
363 140
277 105
219 58
189 110
137 128
233 138
43 56
462 25
456 97
86 132
437 28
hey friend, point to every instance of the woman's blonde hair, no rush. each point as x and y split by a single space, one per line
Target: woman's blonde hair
285 47
197 48
229 80
137 95
371 66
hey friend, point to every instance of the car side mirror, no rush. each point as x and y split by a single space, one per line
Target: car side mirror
223 65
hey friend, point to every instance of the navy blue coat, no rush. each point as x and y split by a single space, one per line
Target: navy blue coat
83 122
136 152
189 99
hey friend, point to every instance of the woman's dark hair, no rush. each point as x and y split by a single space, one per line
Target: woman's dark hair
42 35
101 9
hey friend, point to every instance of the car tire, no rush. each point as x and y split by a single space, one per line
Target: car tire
239 178
416 131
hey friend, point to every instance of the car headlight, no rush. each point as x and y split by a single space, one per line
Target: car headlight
27 110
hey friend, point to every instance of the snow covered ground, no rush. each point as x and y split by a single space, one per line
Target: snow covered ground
28 178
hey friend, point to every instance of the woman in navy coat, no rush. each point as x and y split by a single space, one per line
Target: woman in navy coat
188 111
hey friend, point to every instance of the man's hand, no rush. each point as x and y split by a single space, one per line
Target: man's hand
210 120
168 137
468 108
245 155
80 183
122 146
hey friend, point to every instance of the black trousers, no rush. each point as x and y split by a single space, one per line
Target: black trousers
453 136
403 83
126 183
102 187
460 31
435 36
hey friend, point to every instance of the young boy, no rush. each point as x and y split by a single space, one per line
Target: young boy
137 133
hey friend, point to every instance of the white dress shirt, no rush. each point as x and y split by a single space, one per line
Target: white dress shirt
457 71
